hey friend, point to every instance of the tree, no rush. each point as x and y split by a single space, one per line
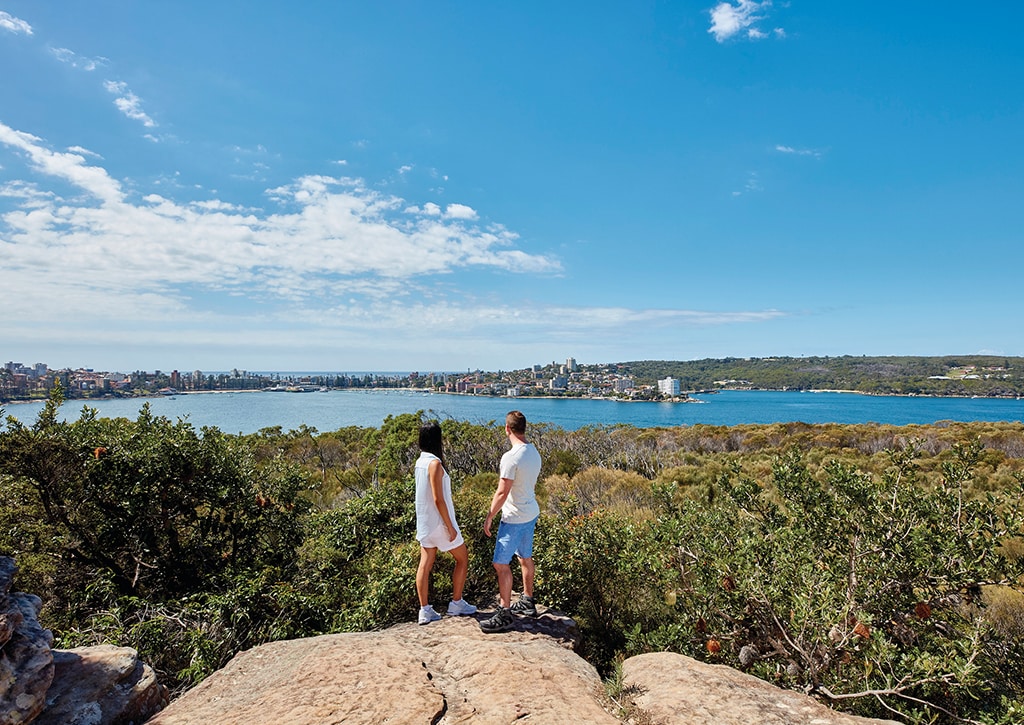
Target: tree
154 507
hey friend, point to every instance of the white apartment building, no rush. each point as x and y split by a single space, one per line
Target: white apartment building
669 386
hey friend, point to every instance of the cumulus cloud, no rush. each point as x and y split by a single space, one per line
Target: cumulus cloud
459 211
128 103
13 24
331 263
729 20
327 236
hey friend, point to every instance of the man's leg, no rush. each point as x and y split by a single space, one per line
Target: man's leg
504 584
526 564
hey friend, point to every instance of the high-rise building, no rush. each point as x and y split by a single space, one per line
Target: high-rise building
669 386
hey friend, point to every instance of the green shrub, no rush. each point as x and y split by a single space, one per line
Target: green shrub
877 567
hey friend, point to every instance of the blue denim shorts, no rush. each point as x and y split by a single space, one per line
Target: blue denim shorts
514 539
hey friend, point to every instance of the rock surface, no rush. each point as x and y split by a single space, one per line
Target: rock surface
86 686
672 688
445 672
103 684
450 672
26 663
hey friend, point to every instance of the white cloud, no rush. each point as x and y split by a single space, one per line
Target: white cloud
752 184
729 20
459 211
797 152
64 55
329 236
84 152
429 209
13 24
361 334
535 320
129 104
330 264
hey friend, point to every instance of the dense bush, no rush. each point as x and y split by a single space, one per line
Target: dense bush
871 593
876 567
146 528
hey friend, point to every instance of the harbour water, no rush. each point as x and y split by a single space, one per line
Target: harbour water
249 412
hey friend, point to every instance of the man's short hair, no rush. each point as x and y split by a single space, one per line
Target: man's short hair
516 422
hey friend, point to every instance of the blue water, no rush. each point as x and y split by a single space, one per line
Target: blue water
248 412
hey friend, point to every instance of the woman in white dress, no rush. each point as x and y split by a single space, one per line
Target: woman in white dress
435 525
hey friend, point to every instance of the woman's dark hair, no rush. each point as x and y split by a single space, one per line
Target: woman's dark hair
430 439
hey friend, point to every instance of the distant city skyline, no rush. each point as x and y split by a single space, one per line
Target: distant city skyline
397 186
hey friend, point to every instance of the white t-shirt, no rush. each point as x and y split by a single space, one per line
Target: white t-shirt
521 464
427 516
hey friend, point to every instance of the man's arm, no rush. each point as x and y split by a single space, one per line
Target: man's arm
500 494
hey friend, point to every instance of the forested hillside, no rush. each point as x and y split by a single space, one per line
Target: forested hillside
984 375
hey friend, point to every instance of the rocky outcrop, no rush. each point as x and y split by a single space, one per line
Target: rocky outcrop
450 672
445 672
671 688
26 662
102 685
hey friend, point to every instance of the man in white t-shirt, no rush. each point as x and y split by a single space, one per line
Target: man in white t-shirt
515 499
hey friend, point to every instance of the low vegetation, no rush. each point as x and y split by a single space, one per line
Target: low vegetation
878 568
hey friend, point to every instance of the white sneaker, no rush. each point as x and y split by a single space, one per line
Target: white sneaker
460 607
428 615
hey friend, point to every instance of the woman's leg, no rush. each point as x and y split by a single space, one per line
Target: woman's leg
461 554
423 574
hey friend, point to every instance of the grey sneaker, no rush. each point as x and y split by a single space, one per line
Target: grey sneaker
428 615
459 607
525 605
502 621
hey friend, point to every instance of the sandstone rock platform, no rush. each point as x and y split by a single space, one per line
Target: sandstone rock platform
672 688
450 672
444 672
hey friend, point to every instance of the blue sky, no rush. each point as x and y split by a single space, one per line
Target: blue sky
443 186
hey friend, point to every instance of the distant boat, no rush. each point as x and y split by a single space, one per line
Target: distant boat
298 388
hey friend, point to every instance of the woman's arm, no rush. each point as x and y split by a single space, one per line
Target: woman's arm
436 472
